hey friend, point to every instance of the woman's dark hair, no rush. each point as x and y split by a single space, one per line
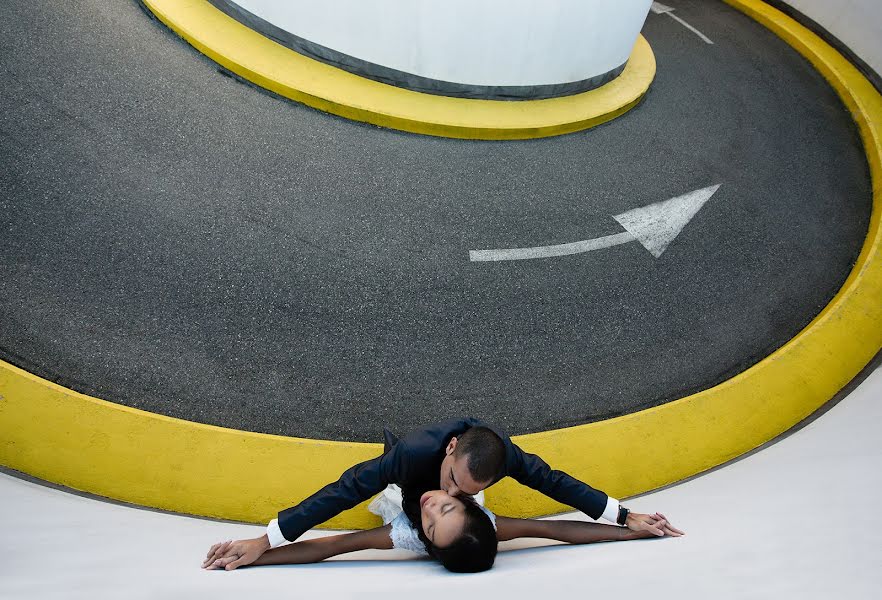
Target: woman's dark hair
475 548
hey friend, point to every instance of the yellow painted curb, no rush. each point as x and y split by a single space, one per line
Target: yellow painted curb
287 73
85 443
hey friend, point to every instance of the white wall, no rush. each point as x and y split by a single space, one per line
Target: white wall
857 24
477 42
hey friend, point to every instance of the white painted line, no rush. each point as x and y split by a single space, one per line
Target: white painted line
663 9
689 27
549 251
659 8
654 226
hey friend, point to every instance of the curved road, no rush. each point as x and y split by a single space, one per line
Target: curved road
174 240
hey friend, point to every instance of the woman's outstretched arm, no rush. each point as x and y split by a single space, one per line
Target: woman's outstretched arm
316 550
573 532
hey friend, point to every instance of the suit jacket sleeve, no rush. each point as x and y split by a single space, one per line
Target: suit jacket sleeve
534 472
355 485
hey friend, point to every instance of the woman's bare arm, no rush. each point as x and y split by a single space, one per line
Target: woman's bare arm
573 532
318 549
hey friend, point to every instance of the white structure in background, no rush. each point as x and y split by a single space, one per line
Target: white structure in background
475 42
856 23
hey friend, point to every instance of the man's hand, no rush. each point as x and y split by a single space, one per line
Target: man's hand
656 524
231 555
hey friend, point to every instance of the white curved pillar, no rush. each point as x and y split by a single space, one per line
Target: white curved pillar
490 43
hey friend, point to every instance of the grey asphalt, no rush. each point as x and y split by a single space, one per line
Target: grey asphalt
175 240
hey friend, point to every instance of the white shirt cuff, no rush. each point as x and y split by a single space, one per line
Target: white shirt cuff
274 533
611 513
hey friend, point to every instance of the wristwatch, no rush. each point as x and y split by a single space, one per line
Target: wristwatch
623 515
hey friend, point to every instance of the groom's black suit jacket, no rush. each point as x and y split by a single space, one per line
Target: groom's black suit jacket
414 463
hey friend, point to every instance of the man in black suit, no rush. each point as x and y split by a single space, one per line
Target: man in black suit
461 457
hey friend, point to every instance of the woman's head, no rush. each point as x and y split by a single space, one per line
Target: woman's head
457 532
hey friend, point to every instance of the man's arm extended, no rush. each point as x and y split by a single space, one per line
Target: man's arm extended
355 485
534 472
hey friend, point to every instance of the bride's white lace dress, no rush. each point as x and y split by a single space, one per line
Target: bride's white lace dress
387 506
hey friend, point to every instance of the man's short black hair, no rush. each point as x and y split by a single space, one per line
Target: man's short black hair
485 453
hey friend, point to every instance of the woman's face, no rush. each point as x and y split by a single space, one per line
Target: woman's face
442 516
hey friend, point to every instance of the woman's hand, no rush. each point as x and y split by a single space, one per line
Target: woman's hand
231 555
656 524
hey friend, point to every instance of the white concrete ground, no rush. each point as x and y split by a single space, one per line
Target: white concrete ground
798 519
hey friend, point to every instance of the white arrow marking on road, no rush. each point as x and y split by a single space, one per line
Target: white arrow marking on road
654 226
663 9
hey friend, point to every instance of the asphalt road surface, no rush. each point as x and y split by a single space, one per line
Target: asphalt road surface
175 240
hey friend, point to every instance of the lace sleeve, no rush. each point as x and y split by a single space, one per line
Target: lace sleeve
404 536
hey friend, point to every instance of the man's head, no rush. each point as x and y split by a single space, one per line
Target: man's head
473 462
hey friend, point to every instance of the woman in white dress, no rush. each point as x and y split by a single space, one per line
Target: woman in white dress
459 533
